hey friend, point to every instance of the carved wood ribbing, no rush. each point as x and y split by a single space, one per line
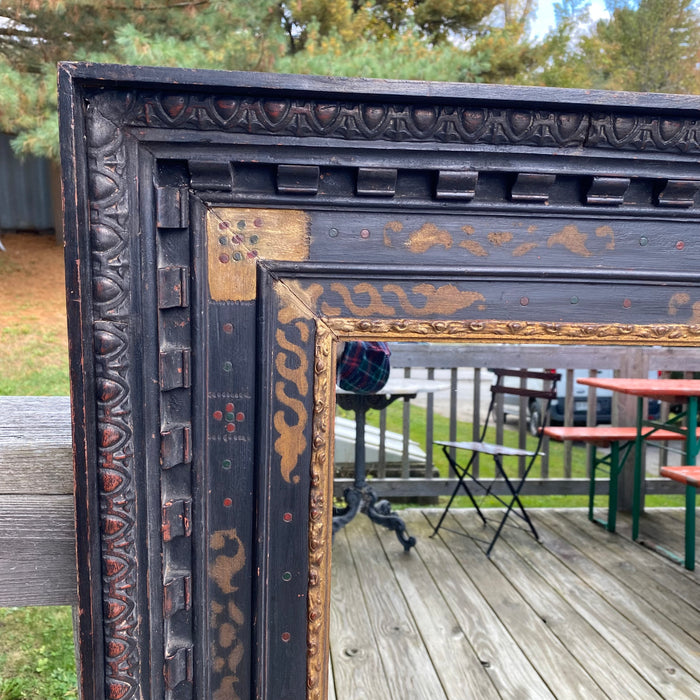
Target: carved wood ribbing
111 268
396 122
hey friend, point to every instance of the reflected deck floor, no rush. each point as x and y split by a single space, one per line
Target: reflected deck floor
584 613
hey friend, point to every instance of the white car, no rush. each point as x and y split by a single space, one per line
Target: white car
556 411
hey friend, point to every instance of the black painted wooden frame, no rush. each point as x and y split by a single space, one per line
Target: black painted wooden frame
223 230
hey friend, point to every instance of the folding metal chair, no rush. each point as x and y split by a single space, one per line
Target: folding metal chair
514 485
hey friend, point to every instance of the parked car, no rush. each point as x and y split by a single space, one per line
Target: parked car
511 404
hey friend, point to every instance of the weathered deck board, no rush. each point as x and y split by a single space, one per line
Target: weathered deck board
584 613
399 641
545 652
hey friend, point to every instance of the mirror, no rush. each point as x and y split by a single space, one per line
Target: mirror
225 230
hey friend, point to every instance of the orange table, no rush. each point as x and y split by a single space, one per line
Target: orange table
620 440
677 391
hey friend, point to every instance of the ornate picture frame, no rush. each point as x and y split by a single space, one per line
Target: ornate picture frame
225 230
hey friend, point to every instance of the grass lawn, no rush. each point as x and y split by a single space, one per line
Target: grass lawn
37 657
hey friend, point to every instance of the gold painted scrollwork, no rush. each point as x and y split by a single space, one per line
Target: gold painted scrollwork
292 387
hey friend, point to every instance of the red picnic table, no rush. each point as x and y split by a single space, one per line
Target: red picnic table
676 391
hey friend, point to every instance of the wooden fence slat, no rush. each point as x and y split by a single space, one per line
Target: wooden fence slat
37 550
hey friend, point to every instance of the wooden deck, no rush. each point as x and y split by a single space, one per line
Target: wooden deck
584 614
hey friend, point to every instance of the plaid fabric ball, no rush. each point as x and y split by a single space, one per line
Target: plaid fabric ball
364 366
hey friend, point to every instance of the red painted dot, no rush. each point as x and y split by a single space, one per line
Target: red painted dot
287 517
228 328
240 416
224 225
524 301
252 254
224 258
218 415
627 303
680 245
258 223
227 502
229 407
230 427
364 233
286 636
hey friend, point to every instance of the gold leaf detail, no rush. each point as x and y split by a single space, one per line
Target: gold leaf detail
375 307
606 232
238 237
474 247
291 443
500 238
428 236
572 239
523 249
438 300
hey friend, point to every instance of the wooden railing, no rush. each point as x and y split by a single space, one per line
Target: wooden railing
456 362
37 531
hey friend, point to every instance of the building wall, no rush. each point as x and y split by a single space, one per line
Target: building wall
25 191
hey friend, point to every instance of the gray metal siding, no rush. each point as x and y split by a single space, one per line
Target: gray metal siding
25 191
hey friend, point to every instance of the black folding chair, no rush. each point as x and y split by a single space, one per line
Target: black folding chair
514 486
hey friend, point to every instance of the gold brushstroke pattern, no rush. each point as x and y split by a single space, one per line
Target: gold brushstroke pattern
572 239
606 232
290 443
393 300
430 235
376 305
292 388
523 249
474 247
499 238
679 301
427 237
243 236
228 558
308 296
297 375
445 299
395 227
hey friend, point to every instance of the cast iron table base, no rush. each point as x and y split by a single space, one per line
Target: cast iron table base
360 497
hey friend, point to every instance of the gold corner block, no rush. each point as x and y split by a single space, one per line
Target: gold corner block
238 237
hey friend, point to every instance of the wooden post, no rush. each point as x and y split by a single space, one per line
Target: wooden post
633 364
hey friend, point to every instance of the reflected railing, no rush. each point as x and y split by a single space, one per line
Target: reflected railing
465 368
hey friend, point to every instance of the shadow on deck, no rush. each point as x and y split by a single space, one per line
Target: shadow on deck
584 613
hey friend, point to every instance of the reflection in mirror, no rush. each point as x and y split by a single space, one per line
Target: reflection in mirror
448 401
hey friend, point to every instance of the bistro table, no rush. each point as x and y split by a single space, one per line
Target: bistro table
676 391
360 497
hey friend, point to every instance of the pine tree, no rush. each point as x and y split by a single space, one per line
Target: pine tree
644 46
36 34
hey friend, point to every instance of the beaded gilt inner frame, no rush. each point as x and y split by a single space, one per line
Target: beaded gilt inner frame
223 230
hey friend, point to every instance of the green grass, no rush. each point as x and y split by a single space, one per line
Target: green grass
37 658
34 362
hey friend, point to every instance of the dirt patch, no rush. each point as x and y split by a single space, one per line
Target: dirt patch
33 337
32 280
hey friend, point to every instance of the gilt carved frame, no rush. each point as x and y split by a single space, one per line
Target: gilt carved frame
224 230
